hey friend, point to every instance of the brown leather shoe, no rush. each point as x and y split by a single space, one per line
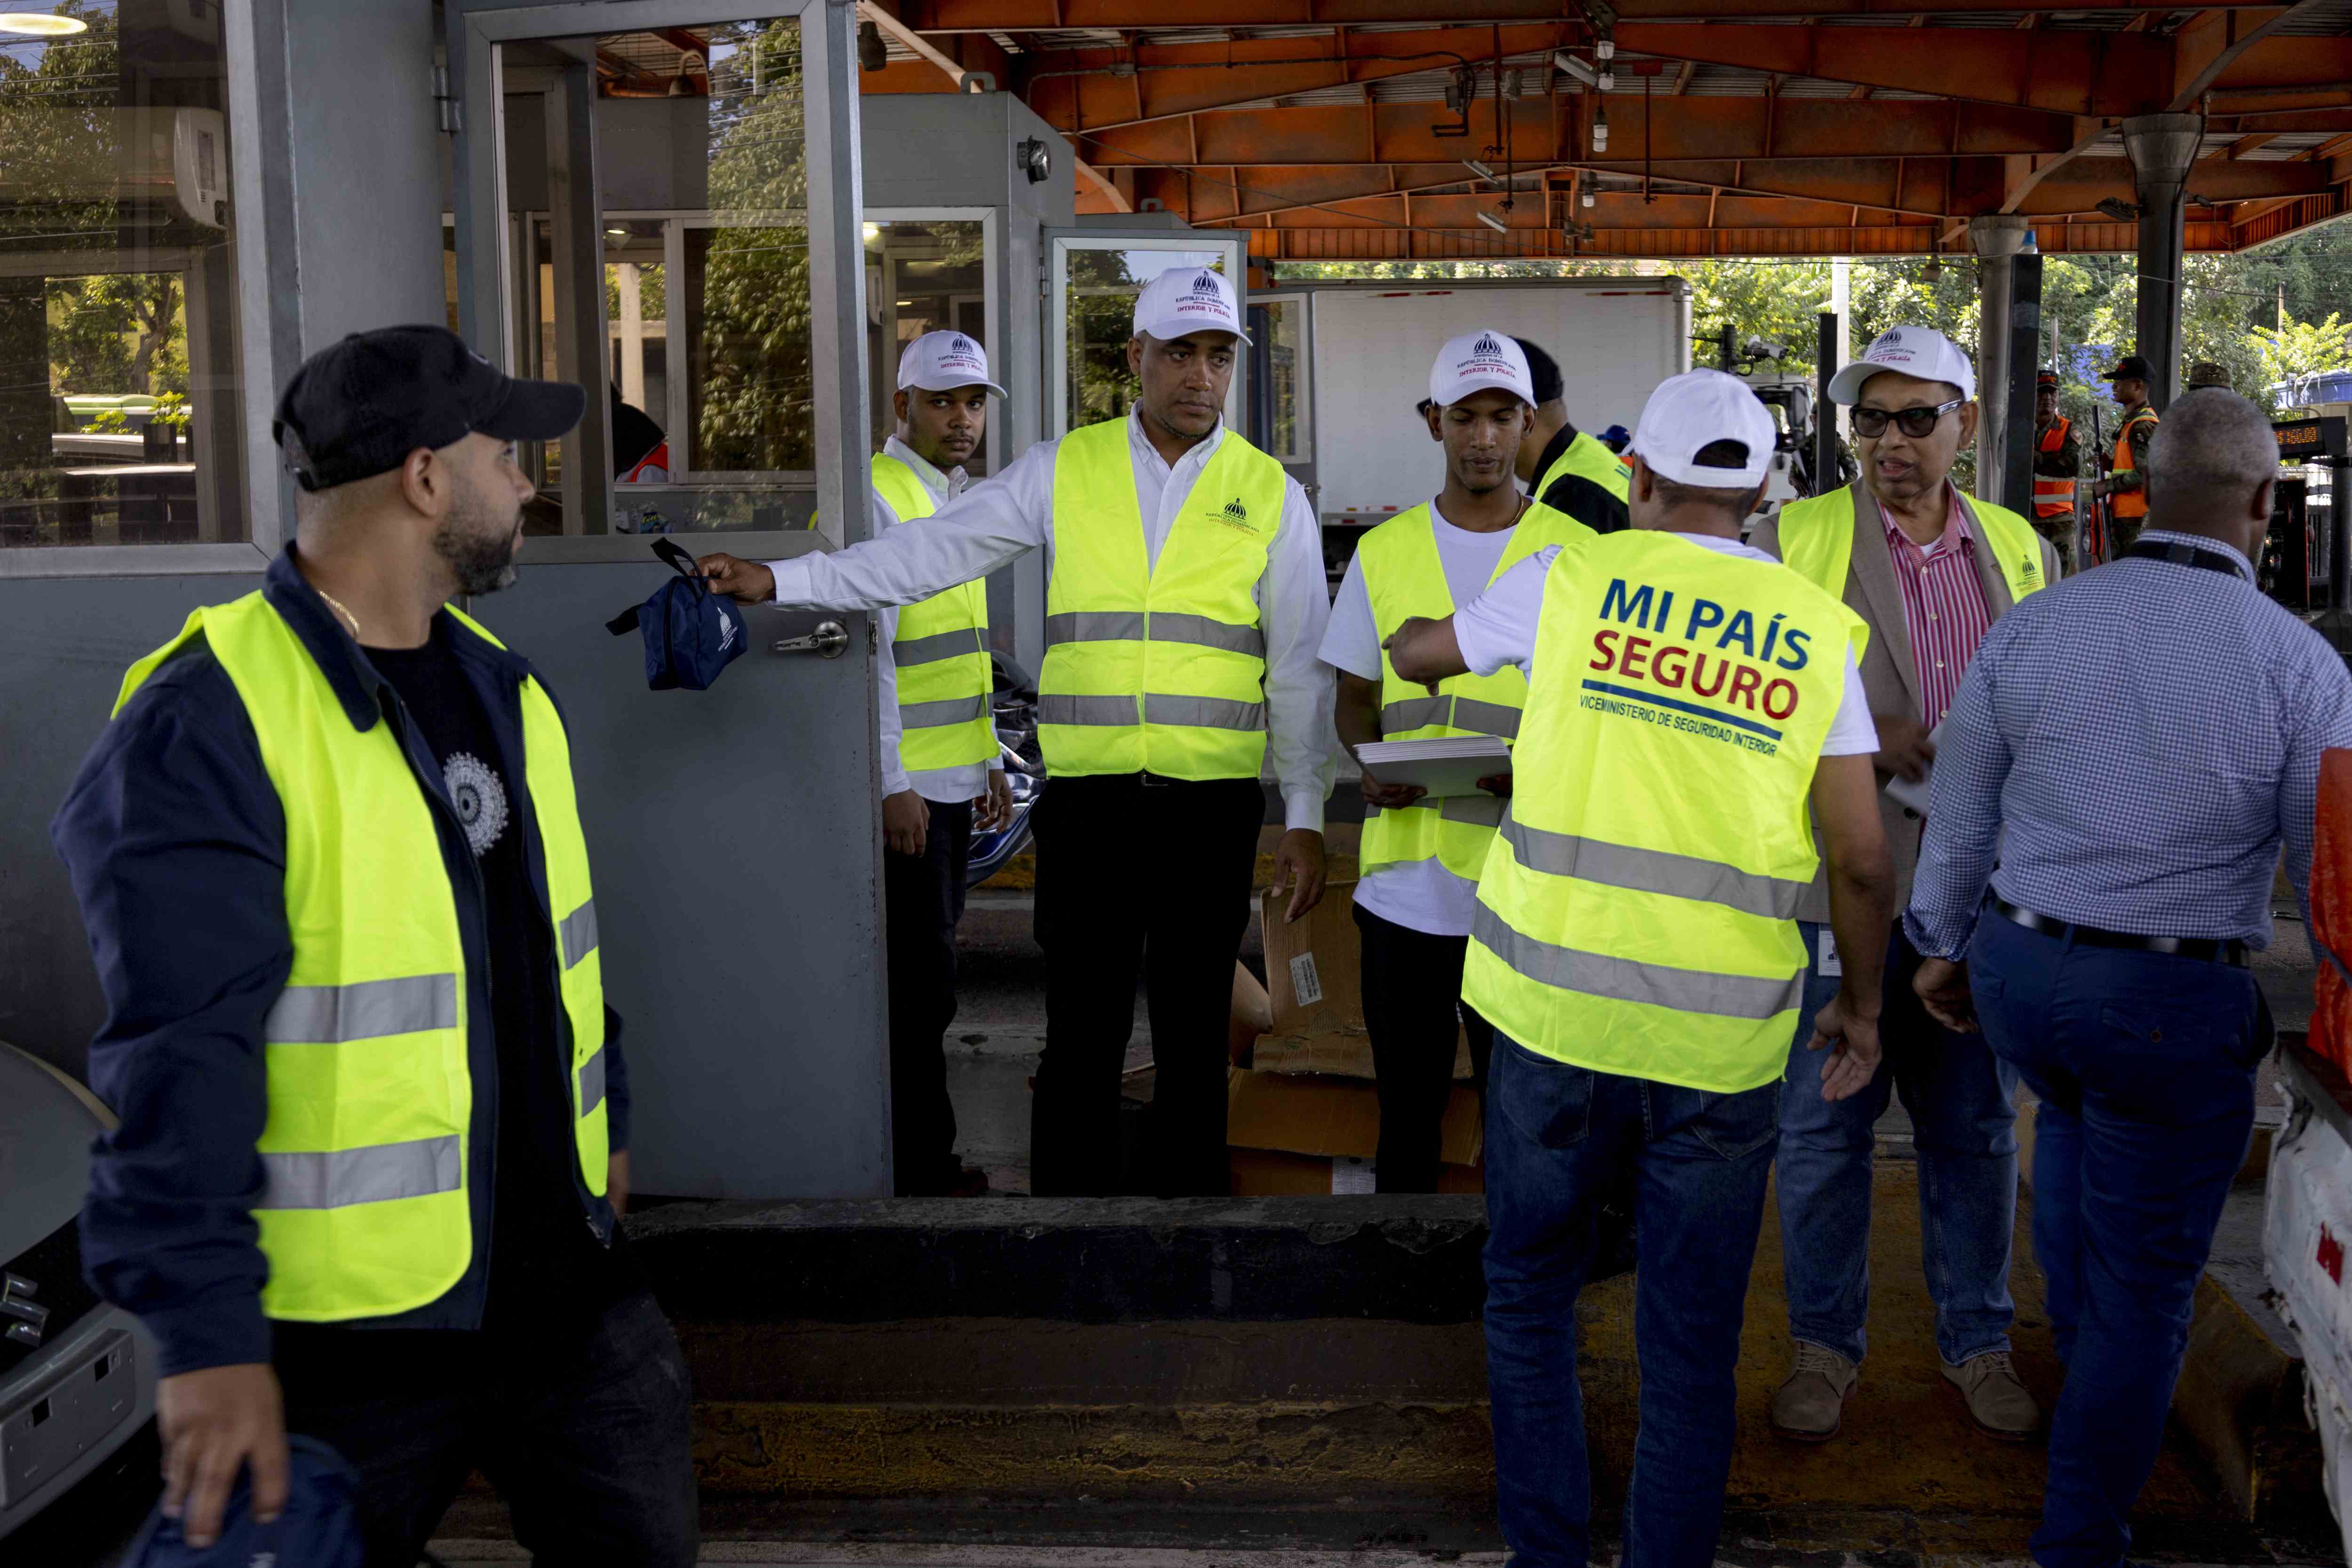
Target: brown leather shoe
1811 1405
1996 1400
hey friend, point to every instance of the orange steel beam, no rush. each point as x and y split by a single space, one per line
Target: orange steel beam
1633 233
1074 88
1550 131
1030 15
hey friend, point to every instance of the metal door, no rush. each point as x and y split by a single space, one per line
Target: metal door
735 833
1093 275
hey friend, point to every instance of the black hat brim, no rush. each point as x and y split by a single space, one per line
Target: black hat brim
534 411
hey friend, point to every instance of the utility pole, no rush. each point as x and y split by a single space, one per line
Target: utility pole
1840 281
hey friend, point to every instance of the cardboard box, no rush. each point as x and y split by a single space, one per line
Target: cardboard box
1290 1134
1315 983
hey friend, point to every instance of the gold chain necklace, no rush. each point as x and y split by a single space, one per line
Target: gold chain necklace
350 619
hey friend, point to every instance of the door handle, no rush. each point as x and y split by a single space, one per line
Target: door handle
826 641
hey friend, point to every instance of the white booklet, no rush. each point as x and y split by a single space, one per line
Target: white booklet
1913 793
1449 766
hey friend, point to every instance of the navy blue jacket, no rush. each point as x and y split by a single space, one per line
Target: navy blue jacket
176 842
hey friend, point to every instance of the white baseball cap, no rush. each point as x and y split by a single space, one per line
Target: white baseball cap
1483 361
941 361
1922 351
1689 412
1187 300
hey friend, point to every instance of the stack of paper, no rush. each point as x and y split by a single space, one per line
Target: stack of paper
1441 767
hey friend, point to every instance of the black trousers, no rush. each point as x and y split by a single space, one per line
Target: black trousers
1147 880
585 1433
924 896
1413 1010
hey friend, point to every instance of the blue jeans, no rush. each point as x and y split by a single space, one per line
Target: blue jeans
2144 1067
1556 1135
1962 1099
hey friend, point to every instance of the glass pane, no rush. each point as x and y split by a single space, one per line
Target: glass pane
1103 288
120 403
1285 377
921 277
636 311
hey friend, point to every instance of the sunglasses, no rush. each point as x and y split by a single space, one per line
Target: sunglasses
1872 422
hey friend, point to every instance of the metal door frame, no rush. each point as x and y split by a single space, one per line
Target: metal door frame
477 31
1059 242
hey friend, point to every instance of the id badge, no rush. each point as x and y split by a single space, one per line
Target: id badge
1829 967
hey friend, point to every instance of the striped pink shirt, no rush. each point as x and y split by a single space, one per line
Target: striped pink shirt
1943 605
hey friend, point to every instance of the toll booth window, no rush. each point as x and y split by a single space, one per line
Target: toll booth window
1103 284
120 382
921 277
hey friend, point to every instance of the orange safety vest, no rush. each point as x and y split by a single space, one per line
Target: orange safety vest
2055 498
2129 503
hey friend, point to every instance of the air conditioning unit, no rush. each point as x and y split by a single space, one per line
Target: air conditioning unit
159 164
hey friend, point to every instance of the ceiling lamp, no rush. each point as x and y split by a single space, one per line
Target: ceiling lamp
682 84
1588 195
1600 131
41 25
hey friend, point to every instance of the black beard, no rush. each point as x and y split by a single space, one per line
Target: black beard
484 562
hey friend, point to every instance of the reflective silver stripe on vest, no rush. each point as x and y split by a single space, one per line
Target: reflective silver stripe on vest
1200 630
1094 626
1655 872
367 1010
946 711
1624 979
591 1082
1414 713
377 1174
1060 710
1480 810
907 652
1486 718
1202 712
1164 625
579 934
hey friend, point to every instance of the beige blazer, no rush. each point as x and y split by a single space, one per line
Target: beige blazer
1889 676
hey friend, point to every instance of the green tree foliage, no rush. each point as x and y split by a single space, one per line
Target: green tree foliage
2298 349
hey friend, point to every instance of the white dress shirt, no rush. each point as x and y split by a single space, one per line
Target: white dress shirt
1004 517
946 785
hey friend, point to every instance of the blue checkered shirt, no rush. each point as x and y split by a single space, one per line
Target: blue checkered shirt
2134 743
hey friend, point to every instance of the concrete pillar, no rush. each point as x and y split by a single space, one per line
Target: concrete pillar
1998 238
2161 147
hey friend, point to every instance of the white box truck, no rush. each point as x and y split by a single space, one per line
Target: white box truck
1368 347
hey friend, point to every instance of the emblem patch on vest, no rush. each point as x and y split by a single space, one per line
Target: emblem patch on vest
1235 515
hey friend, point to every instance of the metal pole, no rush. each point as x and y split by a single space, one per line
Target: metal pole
2162 148
2024 335
1825 363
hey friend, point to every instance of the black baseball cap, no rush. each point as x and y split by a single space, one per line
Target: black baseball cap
2134 368
359 408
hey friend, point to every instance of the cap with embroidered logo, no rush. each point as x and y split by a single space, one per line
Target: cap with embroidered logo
1483 361
1920 351
1187 300
941 361
1690 412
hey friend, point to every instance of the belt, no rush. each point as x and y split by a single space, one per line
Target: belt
2214 949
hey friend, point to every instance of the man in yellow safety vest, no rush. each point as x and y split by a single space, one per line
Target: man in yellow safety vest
942 771
1635 949
1420 859
1561 466
1185 599
365 1181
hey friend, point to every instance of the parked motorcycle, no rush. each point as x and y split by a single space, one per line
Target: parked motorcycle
1013 708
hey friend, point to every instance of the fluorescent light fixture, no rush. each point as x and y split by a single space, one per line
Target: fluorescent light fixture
1491 221
1572 66
41 25
1478 169
618 233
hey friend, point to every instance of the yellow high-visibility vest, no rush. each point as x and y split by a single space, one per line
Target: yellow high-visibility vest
1404 577
1162 670
364 1152
1637 910
1596 462
940 651
1817 539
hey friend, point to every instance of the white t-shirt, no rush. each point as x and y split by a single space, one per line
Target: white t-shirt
1499 628
1422 895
